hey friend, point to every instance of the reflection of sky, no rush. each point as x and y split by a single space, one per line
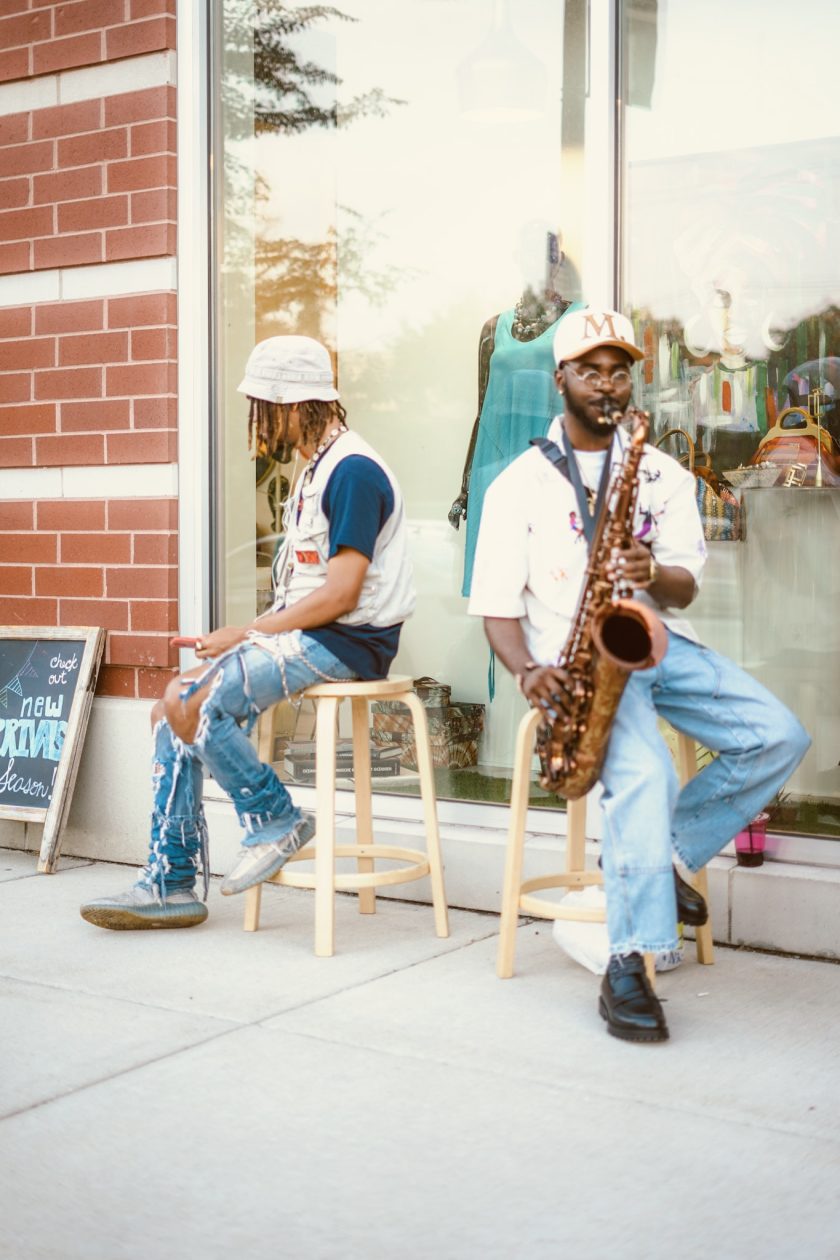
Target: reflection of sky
732 73
756 223
734 172
447 202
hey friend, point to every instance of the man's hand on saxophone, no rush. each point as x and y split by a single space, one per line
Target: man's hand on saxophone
670 585
548 687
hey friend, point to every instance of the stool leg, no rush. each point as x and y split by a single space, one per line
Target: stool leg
686 757
576 835
427 791
325 750
253 898
687 760
703 935
364 805
265 736
516 843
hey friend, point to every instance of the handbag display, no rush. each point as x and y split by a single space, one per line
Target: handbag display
454 729
803 451
719 509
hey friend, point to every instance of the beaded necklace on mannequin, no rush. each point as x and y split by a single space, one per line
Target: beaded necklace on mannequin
533 315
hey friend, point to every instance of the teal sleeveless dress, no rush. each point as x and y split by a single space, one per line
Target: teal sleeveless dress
520 402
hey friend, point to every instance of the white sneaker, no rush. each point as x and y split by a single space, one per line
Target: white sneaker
258 862
142 907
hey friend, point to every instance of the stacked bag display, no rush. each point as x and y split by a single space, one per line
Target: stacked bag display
454 729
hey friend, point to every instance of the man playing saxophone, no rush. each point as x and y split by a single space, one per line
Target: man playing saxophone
532 568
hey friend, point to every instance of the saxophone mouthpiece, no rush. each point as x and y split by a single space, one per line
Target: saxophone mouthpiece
611 414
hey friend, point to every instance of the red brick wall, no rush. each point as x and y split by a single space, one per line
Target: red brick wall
43 36
89 182
97 562
89 382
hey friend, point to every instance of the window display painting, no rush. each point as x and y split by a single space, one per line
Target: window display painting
735 317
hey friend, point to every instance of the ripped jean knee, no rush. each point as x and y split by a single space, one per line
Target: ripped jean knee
242 684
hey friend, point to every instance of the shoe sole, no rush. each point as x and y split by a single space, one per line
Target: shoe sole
119 919
657 1034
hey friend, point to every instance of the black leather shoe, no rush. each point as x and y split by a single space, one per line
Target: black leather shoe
691 908
628 1003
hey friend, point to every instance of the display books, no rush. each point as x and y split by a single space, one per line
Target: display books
299 762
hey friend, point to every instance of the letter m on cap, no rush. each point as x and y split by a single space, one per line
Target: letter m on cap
593 328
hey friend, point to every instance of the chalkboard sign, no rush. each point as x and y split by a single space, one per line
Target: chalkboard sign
47 677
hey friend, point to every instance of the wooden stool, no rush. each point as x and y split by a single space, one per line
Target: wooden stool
518 895
324 880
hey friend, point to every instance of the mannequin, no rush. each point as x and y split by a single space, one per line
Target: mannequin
517 400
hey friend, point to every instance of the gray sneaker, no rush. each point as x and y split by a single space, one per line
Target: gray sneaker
257 862
142 907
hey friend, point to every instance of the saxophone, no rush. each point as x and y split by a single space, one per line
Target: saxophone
610 637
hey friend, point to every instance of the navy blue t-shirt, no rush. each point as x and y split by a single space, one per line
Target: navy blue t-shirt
357 501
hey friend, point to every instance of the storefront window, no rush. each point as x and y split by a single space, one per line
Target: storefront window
392 178
731 187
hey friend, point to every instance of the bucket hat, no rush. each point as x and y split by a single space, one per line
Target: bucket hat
289 370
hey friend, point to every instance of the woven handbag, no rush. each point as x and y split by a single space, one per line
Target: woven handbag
719 510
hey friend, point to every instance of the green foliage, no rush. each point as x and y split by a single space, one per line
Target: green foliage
286 92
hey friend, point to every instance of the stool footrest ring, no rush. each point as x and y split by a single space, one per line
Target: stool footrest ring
353 880
543 909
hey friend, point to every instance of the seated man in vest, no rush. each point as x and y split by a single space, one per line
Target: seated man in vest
540 516
343 586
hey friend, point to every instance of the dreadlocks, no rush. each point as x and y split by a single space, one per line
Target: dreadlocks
267 422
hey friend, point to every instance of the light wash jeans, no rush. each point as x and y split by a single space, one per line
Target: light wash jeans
244 681
648 818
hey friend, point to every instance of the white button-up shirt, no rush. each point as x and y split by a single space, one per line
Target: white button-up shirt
531 556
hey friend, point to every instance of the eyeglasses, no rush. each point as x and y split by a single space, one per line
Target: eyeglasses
619 377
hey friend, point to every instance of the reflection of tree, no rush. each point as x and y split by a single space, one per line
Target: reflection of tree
297 281
272 87
284 87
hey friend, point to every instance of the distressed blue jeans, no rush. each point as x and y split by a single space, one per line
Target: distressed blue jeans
243 682
649 818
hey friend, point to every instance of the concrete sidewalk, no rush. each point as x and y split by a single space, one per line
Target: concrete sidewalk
211 1093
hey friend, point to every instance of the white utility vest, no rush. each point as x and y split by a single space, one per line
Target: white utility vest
387 596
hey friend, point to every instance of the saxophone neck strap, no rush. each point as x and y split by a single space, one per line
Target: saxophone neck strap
553 454
567 466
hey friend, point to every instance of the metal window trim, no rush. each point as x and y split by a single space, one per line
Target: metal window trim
194 324
601 257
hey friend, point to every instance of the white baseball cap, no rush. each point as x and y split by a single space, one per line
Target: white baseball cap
289 370
581 331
